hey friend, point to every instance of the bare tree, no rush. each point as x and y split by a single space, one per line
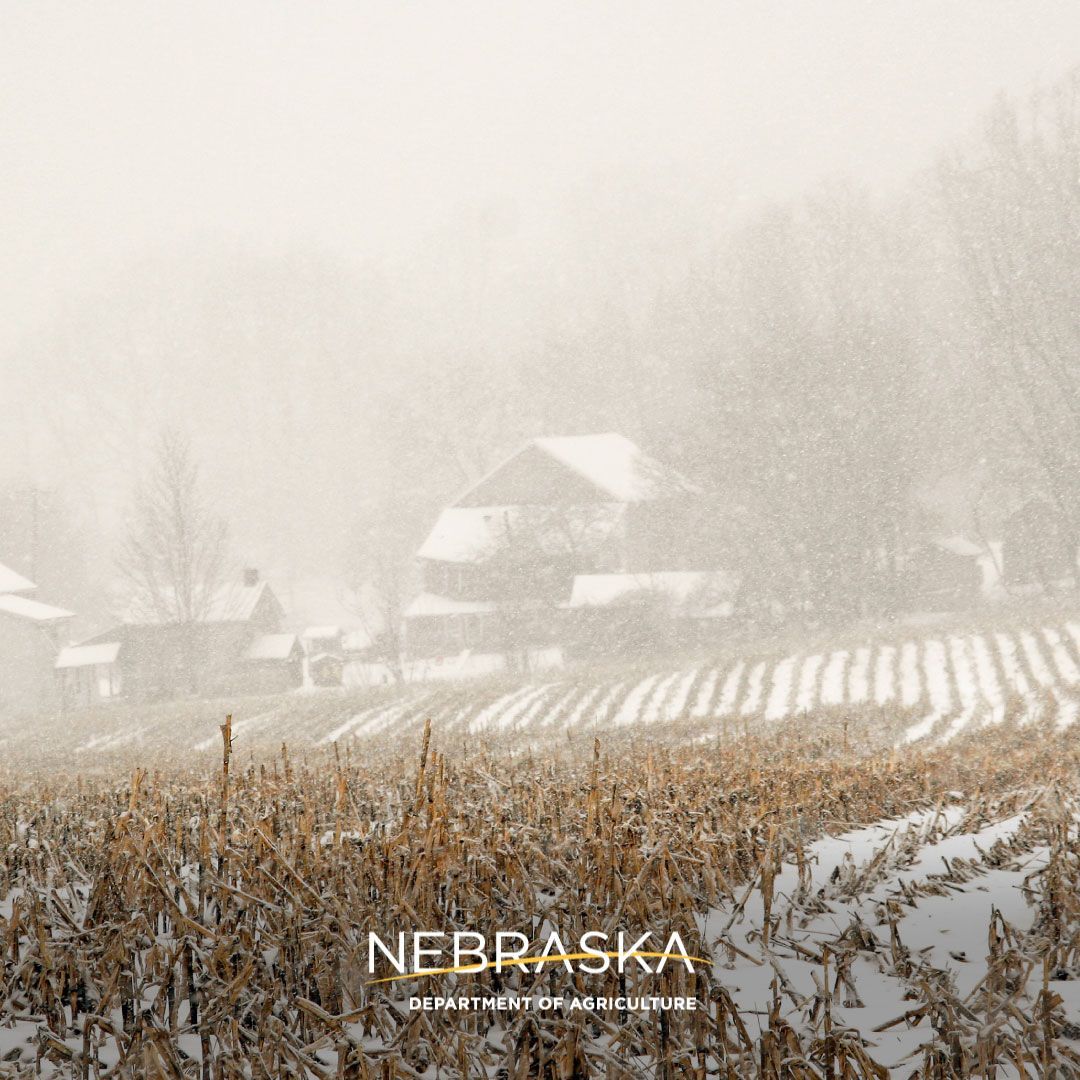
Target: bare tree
529 574
175 554
379 582
817 476
1012 203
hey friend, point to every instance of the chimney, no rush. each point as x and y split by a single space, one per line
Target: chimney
251 577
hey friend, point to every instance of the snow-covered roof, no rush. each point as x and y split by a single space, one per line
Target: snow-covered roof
271 647
701 593
615 465
615 469
87 655
427 604
321 633
356 640
464 534
471 534
11 582
233 602
960 545
25 608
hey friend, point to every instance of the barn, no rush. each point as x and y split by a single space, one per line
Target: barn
500 562
237 646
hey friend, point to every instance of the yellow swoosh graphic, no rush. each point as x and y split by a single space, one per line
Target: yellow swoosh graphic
553 958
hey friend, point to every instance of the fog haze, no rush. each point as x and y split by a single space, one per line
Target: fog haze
129 129
359 252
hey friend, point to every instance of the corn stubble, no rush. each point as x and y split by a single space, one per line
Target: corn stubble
173 924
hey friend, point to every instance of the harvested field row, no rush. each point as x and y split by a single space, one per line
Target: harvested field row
865 913
933 688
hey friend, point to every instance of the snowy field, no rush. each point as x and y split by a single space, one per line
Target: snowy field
874 848
927 689
861 915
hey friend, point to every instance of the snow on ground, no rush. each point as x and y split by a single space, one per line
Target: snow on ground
922 729
966 688
338 733
989 686
651 713
730 691
509 717
935 667
832 682
1015 678
858 681
583 703
752 702
780 694
677 705
486 715
1036 660
884 690
554 713
1068 709
849 880
1066 666
937 688
910 687
705 694
631 708
804 700
605 705
536 709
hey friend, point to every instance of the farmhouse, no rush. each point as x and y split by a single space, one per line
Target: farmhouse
235 647
30 635
500 563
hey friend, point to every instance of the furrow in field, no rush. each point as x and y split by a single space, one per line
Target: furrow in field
858 677
1066 666
676 706
808 679
730 691
832 681
780 694
936 670
910 684
884 674
653 709
1015 679
1035 659
752 701
705 694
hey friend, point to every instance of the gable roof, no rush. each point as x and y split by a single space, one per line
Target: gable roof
463 534
24 608
611 467
11 582
959 545
88 655
228 603
272 647
616 466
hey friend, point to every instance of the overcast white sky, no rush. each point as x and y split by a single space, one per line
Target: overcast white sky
134 128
